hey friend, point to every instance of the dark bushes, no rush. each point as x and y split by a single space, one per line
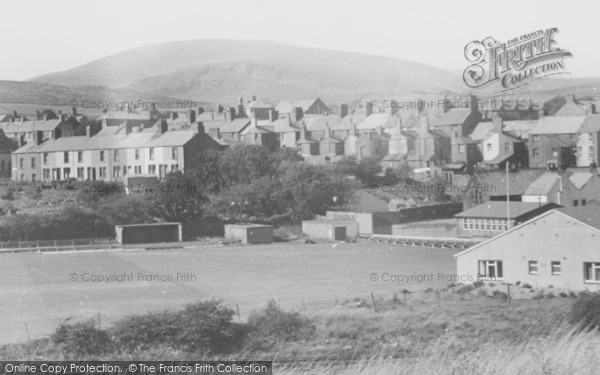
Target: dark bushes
81 339
273 325
205 327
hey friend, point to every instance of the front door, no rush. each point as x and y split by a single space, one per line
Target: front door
340 233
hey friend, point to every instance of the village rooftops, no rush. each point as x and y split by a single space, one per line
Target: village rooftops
228 126
454 116
31 126
287 106
558 125
591 124
376 120
543 185
498 210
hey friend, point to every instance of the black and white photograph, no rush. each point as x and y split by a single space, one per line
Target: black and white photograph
299 187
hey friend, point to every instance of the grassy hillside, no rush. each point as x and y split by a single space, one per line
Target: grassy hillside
225 69
27 97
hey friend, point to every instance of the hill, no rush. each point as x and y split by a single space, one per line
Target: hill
27 97
222 70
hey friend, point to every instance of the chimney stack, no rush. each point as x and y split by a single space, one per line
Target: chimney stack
352 129
173 115
230 113
38 137
200 127
38 115
474 104
368 108
253 98
273 115
219 109
15 115
303 130
164 126
74 111
343 110
128 127
394 107
200 110
88 130
240 106
297 114
497 123
192 116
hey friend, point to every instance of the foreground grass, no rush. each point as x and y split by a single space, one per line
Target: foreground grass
399 329
563 351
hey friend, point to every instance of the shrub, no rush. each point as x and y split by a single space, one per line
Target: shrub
586 310
80 339
8 195
273 325
518 283
550 295
563 295
499 294
465 289
527 286
205 327
478 284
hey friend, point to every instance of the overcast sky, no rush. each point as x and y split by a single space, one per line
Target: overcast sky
39 37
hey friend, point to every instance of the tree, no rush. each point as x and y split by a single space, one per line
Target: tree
367 169
245 163
347 166
206 170
177 198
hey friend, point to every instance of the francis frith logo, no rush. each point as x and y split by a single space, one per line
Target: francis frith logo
516 62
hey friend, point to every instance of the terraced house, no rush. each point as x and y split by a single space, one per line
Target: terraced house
111 154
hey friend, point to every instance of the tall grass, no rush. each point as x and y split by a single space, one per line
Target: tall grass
566 350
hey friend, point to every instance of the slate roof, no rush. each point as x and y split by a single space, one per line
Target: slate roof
543 185
580 179
518 181
287 106
454 116
346 122
226 126
589 214
591 124
375 120
394 157
481 131
520 128
572 109
260 103
127 115
30 126
558 125
497 210
283 125
170 139
499 158
320 123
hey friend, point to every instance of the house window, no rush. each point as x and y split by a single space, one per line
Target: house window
80 156
556 268
490 269
533 267
80 172
591 272
46 173
489 147
592 152
506 146
116 155
584 202
125 170
536 153
575 203
174 153
461 149
151 153
137 154
101 155
116 172
494 227
32 163
554 152
21 163
152 169
66 156
536 138
45 158
33 177
67 173
465 224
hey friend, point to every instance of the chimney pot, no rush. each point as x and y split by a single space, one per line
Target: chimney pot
201 129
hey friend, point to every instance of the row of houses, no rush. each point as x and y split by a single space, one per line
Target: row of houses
451 138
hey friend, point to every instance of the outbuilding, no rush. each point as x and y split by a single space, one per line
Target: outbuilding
149 233
337 230
249 233
558 248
